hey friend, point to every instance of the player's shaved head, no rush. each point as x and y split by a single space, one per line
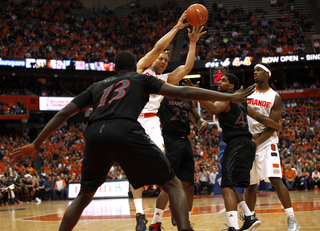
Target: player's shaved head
125 61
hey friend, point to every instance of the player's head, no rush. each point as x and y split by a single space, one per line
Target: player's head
161 63
125 61
262 72
228 82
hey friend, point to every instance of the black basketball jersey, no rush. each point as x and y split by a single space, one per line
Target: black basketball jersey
174 116
121 96
234 122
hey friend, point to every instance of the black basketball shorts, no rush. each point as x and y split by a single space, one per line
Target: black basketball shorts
179 153
125 142
238 158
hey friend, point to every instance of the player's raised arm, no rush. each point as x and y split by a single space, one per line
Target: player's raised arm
162 44
181 71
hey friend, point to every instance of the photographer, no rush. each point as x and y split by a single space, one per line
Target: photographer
204 180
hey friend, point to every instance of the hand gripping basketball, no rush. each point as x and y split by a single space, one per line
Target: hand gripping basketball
19 154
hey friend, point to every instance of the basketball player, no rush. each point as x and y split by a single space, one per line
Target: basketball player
267 164
174 116
154 63
114 135
238 155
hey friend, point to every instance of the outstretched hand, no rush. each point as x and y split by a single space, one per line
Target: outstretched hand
203 128
180 23
241 95
19 154
188 82
196 33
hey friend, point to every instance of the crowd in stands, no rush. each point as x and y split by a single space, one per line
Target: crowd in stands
237 32
58 30
11 108
55 30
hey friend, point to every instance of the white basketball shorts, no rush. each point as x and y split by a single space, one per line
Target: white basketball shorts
266 164
152 127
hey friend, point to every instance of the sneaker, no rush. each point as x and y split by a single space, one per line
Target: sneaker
250 222
230 228
292 224
141 222
155 227
172 219
37 199
191 227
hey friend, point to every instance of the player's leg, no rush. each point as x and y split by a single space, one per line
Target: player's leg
251 196
152 128
230 202
188 189
271 170
178 203
161 204
94 170
250 220
284 197
137 199
74 211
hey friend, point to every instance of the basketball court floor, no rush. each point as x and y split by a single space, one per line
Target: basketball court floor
119 214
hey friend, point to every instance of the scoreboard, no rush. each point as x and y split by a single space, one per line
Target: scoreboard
216 74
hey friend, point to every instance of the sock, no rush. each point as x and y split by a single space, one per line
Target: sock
233 219
138 205
289 212
253 212
189 215
245 209
157 216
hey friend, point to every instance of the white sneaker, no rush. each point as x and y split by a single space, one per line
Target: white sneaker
292 224
37 199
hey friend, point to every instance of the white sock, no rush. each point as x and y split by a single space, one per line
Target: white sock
189 215
157 216
233 219
289 211
253 212
138 205
245 209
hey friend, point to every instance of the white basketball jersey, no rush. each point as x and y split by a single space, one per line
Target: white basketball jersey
262 102
154 100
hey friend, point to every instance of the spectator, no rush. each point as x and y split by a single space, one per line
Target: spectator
204 180
290 177
48 187
304 178
315 177
59 189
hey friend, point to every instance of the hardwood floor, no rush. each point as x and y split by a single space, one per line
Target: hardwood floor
119 214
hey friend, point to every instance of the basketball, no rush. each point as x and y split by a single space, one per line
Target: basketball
197 15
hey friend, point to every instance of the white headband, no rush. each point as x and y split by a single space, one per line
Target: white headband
264 68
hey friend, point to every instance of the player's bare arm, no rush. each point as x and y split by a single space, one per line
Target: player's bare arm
31 150
193 93
197 120
162 44
266 121
183 70
212 108
275 115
